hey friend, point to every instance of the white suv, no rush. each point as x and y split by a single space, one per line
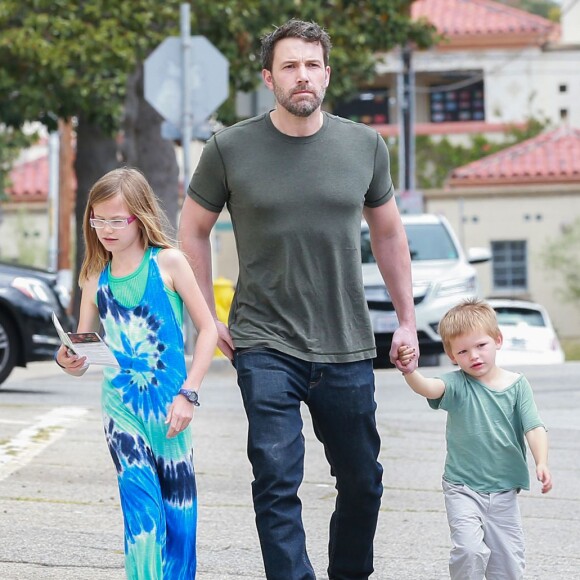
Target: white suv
442 276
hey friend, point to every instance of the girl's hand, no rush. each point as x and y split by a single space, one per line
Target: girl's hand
179 416
69 361
406 354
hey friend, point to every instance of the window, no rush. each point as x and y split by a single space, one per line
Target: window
426 242
370 106
510 268
465 104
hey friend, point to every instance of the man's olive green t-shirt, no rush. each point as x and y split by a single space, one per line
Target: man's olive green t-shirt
296 207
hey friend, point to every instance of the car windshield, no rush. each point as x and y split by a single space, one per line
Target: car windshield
426 242
510 316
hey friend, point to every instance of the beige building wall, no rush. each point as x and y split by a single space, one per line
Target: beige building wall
536 214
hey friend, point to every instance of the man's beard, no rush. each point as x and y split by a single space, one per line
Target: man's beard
303 107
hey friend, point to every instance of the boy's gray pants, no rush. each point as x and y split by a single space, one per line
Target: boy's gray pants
486 532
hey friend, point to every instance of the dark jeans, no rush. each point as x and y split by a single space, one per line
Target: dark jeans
340 397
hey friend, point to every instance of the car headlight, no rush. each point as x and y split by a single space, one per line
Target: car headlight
35 289
457 286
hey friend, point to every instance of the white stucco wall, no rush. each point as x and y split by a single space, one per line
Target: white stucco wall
518 83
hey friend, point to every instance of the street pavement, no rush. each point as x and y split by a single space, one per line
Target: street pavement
59 512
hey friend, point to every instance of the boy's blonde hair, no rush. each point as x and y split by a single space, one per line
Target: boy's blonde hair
141 201
469 315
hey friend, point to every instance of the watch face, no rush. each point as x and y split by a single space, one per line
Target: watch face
191 396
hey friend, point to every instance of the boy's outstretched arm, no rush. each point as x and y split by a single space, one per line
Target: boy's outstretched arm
538 441
429 388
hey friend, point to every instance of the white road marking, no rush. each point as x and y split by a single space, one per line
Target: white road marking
31 441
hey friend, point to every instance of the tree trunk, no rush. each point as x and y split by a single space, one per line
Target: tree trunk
96 155
144 148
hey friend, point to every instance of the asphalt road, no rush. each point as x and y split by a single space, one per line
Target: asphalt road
59 512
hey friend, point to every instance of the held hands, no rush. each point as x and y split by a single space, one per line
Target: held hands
405 337
179 416
407 355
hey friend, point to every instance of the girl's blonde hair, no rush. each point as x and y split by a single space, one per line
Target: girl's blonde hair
141 201
469 315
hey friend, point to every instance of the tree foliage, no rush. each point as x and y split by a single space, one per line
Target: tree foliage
61 58
83 59
545 8
435 159
12 141
561 257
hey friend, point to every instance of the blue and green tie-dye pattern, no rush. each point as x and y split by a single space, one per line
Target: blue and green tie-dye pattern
155 474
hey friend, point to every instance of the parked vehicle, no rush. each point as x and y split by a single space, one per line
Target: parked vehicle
28 297
529 338
443 275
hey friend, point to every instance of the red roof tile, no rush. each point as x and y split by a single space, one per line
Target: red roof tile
29 180
552 157
461 19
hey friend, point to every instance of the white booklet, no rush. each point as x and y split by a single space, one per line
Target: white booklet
88 344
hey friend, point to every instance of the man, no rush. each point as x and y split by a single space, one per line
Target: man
296 182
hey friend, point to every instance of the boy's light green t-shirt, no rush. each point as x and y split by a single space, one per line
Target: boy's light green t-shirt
486 448
296 207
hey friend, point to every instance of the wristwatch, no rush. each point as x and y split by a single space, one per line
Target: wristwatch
191 396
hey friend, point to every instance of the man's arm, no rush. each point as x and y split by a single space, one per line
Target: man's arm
195 227
391 251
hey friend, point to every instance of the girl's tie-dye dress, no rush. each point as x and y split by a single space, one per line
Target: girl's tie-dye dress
155 474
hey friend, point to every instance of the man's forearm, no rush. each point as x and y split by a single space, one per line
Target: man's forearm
198 254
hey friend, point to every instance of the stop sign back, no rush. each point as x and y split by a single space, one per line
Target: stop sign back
209 70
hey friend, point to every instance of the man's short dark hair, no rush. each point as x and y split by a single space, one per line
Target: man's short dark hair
308 31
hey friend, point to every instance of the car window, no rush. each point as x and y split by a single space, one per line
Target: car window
510 316
426 242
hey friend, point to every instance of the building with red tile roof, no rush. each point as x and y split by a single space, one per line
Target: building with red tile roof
495 68
516 202
477 23
28 181
552 157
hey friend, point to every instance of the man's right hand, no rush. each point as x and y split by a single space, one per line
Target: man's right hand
225 342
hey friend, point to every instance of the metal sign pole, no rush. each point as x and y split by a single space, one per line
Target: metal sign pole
186 130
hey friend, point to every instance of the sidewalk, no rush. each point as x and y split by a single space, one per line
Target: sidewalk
60 519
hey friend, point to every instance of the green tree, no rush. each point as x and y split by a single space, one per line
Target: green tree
545 8
12 141
83 59
562 257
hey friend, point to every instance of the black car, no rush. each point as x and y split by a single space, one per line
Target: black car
28 296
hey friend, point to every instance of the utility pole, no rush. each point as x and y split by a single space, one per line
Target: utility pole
67 194
406 113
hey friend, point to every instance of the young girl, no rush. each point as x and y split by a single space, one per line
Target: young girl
134 283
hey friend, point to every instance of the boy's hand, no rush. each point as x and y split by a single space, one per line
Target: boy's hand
543 475
406 354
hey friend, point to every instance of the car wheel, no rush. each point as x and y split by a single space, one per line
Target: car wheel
8 342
